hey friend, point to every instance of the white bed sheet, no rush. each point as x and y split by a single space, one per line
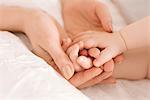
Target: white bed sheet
24 76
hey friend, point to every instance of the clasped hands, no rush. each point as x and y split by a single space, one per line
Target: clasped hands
84 57
77 63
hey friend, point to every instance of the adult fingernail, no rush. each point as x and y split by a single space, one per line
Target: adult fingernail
67 72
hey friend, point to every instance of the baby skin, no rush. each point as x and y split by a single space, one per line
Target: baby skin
85 58
136 65
73 25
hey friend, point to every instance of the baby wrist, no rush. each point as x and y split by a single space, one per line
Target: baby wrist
122 42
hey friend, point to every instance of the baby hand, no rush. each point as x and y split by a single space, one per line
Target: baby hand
83 60
86 57
112 45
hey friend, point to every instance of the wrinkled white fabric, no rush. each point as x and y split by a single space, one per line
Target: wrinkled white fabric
26 76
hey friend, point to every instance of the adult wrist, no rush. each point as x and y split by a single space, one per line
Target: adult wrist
31 17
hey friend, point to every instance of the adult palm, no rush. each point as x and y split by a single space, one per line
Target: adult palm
87 15
84 15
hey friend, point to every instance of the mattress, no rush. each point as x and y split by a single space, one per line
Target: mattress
24 76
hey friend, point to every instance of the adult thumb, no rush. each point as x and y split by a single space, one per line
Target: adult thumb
61 60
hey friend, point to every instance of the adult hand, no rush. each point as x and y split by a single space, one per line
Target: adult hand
81 15
90 77
87 78
46 42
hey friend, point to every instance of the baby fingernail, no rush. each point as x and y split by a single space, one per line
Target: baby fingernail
66 71
96 63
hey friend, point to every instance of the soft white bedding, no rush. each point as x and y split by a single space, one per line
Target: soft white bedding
24 76
133 10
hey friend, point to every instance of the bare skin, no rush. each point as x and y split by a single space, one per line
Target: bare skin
23 20
47 52
40 33
136 66
80 17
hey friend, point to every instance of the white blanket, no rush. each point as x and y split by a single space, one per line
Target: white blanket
24 76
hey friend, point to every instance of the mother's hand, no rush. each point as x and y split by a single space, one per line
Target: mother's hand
87 78
91 77
84 15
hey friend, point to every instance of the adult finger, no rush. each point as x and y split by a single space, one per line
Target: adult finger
109 66
66 43
96 80
106 81
52 63
62 61
84 76
108 69
42 53
104 16
119 58
45 55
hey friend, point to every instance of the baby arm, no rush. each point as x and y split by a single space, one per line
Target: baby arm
136 64
114 44
137 33
136 36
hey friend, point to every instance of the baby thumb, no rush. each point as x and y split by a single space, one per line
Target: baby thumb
104 57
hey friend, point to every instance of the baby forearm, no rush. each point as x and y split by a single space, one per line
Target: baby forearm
136 35
134 65
12 18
